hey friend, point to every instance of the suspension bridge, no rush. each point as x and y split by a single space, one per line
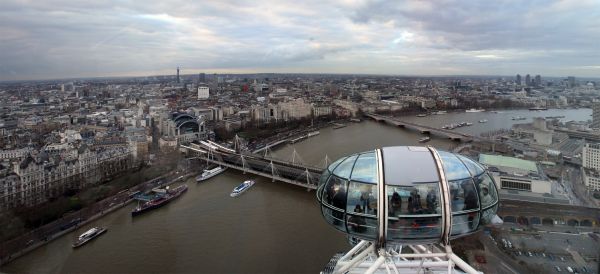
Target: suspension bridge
294 171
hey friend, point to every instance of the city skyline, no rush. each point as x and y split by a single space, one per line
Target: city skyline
57 40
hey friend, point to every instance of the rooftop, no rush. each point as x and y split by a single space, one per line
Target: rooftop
504 161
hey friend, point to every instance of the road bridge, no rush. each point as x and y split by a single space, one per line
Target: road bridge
591 136
453 135
537 213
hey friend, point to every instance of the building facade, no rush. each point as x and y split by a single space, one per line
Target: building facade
596 115
591 156
43 176
203 92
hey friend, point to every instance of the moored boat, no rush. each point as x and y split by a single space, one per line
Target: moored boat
314 133
88 236
160 200
483 121
338 126
471 110
209 173
242 188
424 140
421 115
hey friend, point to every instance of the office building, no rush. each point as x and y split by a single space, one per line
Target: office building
516 174
596 115
203 92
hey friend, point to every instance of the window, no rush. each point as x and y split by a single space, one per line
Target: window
362 198
512 184
335 192
463 196
421 199
487 190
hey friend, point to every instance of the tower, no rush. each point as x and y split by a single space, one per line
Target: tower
519 79
571 80
527 80
178 75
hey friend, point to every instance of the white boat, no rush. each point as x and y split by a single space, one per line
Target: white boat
209 173
518 118
468 124
314 133
241 188
474 110
424 140
441 112
89 235
483 121
421 115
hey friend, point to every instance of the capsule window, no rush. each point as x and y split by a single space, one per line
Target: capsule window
463 196
335 192
362 197
487 190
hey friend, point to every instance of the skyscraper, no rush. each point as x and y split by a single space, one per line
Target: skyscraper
202 77
596 115
527 80
538 80
177 74
571 80
518 79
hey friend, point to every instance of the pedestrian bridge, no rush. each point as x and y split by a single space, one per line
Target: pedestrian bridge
294 173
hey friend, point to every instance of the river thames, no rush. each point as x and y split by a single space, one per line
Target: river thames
272 228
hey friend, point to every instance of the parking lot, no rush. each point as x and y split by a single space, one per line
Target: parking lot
551 252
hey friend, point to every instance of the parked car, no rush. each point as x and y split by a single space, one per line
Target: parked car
480 259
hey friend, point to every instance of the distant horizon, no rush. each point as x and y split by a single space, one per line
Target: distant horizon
291 73
58 39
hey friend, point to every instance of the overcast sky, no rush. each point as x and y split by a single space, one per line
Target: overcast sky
63 39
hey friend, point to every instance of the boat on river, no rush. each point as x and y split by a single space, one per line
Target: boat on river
424 140
242 188
473 110
209 173
89 235
161 199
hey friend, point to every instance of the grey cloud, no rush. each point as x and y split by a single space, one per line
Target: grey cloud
88 38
